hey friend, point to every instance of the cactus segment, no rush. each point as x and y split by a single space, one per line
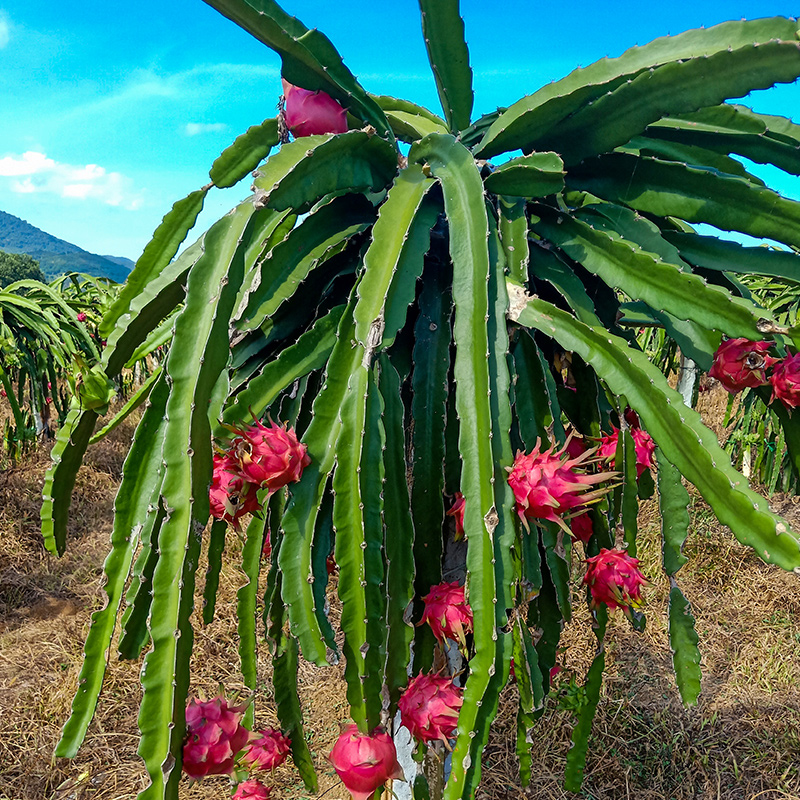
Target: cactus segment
199 354
673 502
629 511
692 194
313 167
531 696
157 255
160 335
443 31
513 225
534 175
308 58
532 117
141 465
683 640
245 154
677 87
216 547
677 429
409 122
644 276
320 550
399 536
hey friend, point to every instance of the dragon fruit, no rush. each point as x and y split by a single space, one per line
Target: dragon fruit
308 113
581 526
457 511
365 761
447 612
429 707
270 457
740 363
643 444
785 380
546 484
81 317
230 495
214 735
268 751
614 578
251 790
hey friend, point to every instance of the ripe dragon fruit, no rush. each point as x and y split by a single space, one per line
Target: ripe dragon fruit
785 380
643 444
365 761
581 526
230 496
270 457
546 484
214 735
251 790
429 707
308 113
81 317
268 751
740 363
457 511
447 612
614 578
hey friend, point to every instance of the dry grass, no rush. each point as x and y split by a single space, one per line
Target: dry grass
741 742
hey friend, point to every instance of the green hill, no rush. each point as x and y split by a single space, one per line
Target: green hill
56 256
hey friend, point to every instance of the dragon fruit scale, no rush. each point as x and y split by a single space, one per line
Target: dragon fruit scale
270 457
546 484
457 512
214 735
785 380
447 612
268 751
741 364
364 761
308 113
230 495
614 578
429 707
251 790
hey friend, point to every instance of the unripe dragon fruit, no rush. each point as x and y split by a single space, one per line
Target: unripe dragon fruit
429 707
457 511
251 790
785 380
308 113
365 761
546 484
447 612
643 445
740 363
614 578
230 495
581 526
270 457
214 735
268 751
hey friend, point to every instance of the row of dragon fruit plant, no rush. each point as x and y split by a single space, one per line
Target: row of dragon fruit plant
415 316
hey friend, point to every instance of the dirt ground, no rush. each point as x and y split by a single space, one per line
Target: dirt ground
741 742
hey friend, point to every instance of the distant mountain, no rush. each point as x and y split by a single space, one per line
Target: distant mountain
55 256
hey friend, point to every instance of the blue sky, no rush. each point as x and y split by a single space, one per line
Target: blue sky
111 112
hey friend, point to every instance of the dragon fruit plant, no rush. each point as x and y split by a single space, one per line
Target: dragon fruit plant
421 297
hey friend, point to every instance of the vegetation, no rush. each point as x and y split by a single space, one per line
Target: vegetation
18 267
418 315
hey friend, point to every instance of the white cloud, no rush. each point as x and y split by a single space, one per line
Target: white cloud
35 172
197 128
5 30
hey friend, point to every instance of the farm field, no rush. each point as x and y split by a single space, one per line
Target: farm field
741 742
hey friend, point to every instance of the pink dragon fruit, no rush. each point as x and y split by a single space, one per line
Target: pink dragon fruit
269 751
230 495
457 511
785 380
214 735
581 526
614 578
546 484
447 612
308 113
81 317
429 707
270 457
740 363
643 444
251 790
365 761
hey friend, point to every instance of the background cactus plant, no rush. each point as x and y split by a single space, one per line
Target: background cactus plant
419 313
